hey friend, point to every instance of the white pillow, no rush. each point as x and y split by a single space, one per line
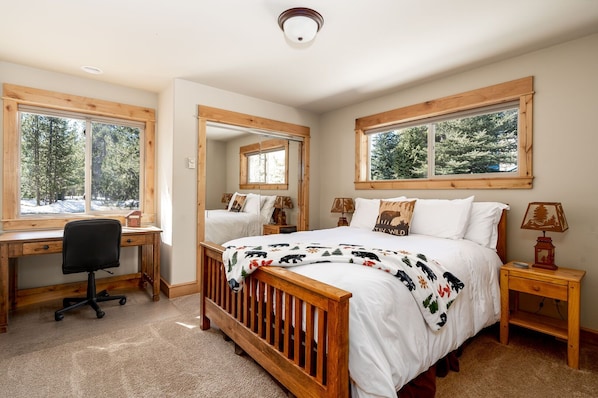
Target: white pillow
253 204
267 208
366 212
441 218
483 223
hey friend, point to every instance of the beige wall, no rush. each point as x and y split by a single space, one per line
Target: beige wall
178 185
565 153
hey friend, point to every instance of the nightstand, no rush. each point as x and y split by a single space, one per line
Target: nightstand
562 284
279 229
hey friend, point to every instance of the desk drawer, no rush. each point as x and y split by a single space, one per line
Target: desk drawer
30 249
539 288
135 240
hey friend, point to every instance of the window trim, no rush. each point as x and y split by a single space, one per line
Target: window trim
252 149
13 96
517 90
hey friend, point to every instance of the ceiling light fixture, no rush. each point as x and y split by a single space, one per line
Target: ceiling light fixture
92 69
300 25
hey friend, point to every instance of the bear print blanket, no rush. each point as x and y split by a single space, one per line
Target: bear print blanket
433 288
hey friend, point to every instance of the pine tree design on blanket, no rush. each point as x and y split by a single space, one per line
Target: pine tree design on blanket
434 295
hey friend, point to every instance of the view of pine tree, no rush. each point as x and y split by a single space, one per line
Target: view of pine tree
52 158
469 145
115 163
399 154
478 144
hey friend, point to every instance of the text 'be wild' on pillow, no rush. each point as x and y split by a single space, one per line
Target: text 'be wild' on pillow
394 218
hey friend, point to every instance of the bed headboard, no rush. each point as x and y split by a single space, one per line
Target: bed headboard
501 244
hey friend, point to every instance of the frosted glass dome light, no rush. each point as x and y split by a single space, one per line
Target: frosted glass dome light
300 25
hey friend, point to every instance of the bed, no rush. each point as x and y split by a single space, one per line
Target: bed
345 347
245 215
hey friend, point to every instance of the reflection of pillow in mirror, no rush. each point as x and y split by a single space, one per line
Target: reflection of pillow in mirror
366 212
238 203
441 218
231 201
253 204
267 208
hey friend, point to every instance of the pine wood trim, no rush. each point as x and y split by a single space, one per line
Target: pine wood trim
253 149
209 114
520 89
13 95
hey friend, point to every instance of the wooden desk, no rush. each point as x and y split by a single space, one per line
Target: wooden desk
31 243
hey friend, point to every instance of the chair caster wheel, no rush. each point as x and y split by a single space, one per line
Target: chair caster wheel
103 293
65 303
58 317
122 301
100 314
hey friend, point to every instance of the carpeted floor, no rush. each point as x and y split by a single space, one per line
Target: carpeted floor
146 349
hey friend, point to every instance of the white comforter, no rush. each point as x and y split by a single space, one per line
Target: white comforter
224 225
389 342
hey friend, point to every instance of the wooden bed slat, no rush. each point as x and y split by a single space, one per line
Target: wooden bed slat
285 324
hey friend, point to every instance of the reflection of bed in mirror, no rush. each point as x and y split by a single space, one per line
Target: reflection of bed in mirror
245 215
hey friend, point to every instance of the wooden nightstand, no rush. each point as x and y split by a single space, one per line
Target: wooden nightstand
562 284
279 229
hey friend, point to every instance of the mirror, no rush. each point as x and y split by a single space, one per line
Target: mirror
221 135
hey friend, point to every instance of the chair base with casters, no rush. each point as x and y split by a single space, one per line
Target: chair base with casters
92 299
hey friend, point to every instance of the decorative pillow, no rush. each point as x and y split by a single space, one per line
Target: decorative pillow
483 223
267 209
253 203
394 217
366 212
238 203
232 200
441 218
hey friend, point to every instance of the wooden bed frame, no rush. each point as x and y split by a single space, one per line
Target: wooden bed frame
311 361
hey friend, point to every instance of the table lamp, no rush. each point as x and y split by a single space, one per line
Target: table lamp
281 203
343 205
545 216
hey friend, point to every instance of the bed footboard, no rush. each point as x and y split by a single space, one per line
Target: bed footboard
293 326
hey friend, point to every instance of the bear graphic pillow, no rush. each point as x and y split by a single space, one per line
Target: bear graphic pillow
394 218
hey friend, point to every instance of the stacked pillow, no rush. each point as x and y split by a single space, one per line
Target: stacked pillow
442 218
262 205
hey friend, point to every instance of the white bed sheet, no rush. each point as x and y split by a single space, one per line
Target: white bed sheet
389 342
223 225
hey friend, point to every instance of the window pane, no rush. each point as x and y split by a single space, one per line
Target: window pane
115 166
267 167
399 154
477 145
52 164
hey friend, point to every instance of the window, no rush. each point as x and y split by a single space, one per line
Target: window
479 139
67 156
55 155
264 165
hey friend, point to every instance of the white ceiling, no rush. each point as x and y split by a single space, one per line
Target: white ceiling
365 48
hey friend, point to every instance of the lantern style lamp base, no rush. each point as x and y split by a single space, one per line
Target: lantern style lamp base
342 222
544 253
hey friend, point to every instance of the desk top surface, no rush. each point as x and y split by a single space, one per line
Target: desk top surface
40 234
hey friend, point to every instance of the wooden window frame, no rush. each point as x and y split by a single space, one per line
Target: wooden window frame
13 96
252 149
517 90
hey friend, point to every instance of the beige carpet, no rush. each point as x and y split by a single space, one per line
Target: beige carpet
146 349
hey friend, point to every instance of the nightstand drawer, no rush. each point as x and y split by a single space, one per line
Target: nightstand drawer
539 288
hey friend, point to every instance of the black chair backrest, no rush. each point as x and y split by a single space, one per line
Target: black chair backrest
90 245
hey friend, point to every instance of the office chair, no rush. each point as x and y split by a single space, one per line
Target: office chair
89 246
